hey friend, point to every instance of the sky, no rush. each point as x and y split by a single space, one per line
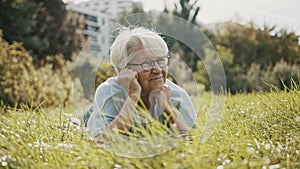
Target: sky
282 13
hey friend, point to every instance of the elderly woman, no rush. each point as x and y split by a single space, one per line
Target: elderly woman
141 88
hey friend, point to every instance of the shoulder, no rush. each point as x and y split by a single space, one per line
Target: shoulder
109 87
172 84
175 90
106 84
109 83
179 96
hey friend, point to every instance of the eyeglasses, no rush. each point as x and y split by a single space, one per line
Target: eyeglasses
148 65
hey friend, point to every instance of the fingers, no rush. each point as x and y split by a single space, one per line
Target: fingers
126 76
127 73
166 88
127 79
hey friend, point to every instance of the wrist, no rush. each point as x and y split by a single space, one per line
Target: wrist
172 112
134 97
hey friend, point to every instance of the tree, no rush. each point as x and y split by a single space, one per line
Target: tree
258 55
189 11
186 9
264 46
40 24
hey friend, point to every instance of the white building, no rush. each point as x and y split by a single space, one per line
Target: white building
94 20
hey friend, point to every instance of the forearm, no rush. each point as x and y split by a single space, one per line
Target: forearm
124 120
121 123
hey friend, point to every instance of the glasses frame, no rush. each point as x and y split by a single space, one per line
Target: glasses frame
152 63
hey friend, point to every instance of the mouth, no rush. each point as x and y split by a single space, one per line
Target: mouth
156 78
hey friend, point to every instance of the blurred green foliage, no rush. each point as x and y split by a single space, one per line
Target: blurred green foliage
23 84
91 73
251 44
42 26
255 58
104 71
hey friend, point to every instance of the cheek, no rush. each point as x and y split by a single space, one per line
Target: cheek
142 79
165 73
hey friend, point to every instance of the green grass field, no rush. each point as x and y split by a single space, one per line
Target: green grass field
258 130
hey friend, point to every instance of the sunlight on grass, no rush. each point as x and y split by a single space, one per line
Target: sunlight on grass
258 130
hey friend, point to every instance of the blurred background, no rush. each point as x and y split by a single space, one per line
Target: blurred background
257 42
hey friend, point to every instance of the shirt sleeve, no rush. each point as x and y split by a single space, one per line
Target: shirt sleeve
108 101
182 101
187 110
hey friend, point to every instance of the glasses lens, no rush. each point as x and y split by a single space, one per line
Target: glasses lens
163 62
147 66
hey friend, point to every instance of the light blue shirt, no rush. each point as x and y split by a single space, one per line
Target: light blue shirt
110 97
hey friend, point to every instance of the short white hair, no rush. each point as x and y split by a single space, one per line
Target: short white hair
129 39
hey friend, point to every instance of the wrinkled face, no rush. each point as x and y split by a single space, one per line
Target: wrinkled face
156 71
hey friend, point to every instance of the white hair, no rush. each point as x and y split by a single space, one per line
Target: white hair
132 40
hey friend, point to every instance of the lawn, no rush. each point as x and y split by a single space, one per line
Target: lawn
258 130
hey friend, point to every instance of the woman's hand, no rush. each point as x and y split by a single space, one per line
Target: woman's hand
127 78
162 96
172 114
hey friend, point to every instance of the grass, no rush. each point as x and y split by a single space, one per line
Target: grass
258 130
